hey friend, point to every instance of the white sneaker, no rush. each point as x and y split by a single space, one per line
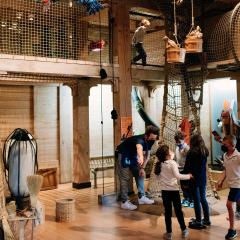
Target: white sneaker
145 200
167 236
128 205
185 233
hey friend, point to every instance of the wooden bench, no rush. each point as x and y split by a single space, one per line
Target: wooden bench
96 165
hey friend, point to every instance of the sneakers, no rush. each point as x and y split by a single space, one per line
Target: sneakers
128 206
185 233
196 225
145 200
191 204
231 234
206 222
185 203
167 236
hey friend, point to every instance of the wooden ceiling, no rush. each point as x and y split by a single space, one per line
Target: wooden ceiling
210 7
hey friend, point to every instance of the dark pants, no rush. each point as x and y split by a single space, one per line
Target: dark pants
141 54
172 198
199 198
186 190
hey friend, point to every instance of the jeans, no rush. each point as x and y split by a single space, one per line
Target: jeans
199 198
141 54
169 198
125 179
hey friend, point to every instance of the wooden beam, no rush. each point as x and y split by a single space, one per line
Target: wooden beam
70 68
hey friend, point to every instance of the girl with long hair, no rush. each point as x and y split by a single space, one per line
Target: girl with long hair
167 170
196 162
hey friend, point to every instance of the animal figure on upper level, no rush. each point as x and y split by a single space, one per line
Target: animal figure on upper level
170 43
196 33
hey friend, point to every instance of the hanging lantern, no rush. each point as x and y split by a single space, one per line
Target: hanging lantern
194 42
175 54
20 160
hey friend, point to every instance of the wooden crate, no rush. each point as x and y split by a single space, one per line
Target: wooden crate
50 178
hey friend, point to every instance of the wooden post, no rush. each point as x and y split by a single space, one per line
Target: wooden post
81 171
123 85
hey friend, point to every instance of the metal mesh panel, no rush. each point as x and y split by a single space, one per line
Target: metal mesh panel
63 31
153 43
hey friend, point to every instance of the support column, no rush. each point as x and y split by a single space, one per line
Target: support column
81 157
123 85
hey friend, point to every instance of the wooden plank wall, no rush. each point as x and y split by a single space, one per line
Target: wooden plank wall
37 109
16 109
46 125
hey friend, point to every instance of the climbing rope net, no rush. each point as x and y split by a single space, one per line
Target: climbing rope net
183 87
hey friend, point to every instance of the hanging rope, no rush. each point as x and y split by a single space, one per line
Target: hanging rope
192 24
102 76
175 22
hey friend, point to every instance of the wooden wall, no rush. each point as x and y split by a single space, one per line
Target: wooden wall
46 126
37 109
16 109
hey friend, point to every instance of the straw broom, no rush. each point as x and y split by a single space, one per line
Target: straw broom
34 183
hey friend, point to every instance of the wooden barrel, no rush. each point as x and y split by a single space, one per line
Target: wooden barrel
65 210
194 45
176 55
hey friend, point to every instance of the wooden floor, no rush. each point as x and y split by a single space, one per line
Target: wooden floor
95 222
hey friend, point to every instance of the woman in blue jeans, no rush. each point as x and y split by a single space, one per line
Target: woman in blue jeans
196 162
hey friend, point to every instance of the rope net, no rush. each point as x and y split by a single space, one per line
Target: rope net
183 90
62 30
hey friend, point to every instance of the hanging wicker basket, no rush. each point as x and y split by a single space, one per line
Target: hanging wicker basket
193 45
65 210
176 55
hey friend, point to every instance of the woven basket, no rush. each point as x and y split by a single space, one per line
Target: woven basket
193 45
65 210
176 55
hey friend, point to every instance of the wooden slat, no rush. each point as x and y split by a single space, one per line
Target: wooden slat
16 110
